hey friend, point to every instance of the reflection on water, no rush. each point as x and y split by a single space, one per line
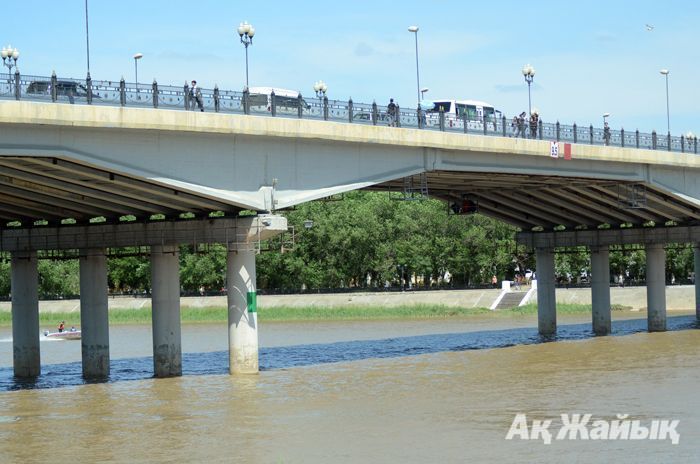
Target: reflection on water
281 357
408 391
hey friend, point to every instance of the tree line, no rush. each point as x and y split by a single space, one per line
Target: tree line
365 240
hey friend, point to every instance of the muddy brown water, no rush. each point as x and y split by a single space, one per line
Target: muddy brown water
437 391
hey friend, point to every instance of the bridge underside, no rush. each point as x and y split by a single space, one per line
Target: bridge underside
53 189
546 202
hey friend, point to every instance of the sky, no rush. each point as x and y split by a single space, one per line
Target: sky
590 57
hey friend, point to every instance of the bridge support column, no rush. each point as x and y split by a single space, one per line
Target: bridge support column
600 290
546 292
656 287
696 255
242 311
165 301
24 278
94 316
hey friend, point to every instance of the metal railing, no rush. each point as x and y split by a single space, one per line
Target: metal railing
122 93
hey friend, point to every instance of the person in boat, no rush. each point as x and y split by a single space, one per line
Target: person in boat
61 326
72 328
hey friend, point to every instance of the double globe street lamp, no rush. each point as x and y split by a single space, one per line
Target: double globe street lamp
529 74
320 88
9 58
246 32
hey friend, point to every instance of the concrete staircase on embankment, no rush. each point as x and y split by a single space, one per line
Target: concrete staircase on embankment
510 300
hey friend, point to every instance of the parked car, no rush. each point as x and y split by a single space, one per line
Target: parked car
63 88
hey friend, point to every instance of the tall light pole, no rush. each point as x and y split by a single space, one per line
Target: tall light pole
529 74
605 118
9 58
422 92
414 29
87 37
137 57
246 32
668 116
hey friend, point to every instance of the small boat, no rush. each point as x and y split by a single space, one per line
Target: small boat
65 335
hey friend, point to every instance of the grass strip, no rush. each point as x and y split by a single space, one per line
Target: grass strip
310 313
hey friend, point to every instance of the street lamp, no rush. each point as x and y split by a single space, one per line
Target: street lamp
320 88
9 58
668 117
137 57
529 74
422 91
414 29
605 117
246 32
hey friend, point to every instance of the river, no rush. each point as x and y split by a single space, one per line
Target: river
436 391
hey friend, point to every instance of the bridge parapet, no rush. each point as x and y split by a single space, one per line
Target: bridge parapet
157 96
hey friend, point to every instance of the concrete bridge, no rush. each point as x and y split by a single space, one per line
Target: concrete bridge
62 166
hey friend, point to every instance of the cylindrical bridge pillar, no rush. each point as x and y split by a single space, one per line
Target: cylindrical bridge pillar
24 278
165 302
546 292
600 290
656 287
94 316
696 255
242 311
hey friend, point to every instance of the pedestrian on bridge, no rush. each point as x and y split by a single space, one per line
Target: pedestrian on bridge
196 96
391 112
520 125
534 121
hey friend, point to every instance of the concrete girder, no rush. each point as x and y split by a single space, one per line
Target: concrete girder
246 230
36 194
151 188
495 207
560 199
115 197
576 214
660 214
605 237
604 209
602 196
540 211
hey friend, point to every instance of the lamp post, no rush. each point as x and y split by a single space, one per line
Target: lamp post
414 29
246 32
87 37
529 74
9 58
137 57
605 117
668 117
422 91
320 88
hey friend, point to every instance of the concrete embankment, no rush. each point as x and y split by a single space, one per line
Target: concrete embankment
678 297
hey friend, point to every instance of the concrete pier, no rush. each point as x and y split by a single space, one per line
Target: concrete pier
25 314
656 287
165 283
600 290
242 311
94 317
546 297
696 255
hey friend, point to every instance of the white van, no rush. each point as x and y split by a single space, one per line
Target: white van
286 101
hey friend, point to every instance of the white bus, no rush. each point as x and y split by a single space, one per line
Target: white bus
456 110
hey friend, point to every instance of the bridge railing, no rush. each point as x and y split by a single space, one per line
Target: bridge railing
153 95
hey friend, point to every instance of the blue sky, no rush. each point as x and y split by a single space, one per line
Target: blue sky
590 57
